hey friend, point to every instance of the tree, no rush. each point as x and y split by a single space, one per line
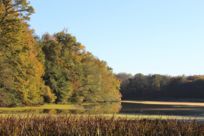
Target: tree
62 61
26 62
15 9
75 74
161 87
20 68
123 76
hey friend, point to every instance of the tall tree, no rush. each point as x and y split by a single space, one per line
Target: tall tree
75 74
20 68
62 55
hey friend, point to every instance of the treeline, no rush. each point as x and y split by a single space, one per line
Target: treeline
55 68
161 87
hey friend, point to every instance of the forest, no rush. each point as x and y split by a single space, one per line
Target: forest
54 68
161 87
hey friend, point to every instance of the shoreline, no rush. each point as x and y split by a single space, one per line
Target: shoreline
200 104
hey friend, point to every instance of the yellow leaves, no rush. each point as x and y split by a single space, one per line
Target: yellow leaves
48 95
2 10
81 47
20 68
26 71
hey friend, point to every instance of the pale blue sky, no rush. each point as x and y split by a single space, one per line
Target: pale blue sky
134 36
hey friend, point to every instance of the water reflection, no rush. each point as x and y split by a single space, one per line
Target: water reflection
150 109
124 108
105 108
100 108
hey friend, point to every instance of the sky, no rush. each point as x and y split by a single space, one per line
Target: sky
132 36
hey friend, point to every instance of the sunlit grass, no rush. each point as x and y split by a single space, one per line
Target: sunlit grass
46 106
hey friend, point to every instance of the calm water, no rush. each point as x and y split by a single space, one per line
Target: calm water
146 109
124 108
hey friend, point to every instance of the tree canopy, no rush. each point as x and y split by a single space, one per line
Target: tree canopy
161 87
56 68
20 67
75 74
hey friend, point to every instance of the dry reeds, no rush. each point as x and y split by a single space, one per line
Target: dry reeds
71 125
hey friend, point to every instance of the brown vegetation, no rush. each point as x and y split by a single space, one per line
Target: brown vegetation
95 126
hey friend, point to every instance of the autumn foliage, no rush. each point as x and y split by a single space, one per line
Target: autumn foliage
55 68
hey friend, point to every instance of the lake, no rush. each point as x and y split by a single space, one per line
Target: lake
119 108
157 109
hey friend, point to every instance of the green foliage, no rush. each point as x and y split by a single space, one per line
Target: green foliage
74 74
9 98
20 67
160 87
13 10
59 61
60 67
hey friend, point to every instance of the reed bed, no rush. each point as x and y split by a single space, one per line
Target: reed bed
70 125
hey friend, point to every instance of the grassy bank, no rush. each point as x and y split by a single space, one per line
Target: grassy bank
79 106
95 126
46 106
71 108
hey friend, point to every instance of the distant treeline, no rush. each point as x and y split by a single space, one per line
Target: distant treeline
54 68
161 87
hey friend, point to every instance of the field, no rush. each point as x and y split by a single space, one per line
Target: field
71 125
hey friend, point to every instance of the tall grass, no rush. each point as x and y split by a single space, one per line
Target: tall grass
95 126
